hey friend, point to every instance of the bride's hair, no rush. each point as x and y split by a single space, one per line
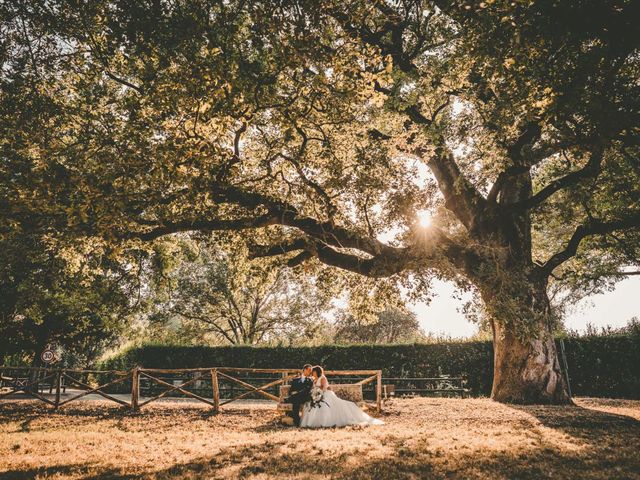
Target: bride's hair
318 370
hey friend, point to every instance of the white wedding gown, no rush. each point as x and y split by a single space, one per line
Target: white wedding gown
334 412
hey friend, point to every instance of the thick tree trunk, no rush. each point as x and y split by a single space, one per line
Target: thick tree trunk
527 371
526 366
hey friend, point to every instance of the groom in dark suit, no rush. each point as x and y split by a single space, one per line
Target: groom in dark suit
300 392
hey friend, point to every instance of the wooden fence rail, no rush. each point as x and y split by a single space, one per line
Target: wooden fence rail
14 379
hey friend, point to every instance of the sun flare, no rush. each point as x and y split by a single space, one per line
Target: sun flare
424 218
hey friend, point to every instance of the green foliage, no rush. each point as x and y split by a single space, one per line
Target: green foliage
470 359
391 326
76 298
141 120
598 366
204 292
604 366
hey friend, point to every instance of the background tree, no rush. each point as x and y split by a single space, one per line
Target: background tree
307 124
392 326
76 300
213 295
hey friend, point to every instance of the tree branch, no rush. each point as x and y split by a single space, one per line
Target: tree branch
460 196
593 227
226 167
299 259
286 214
503 176
590 170
330 208
324 239
260 251
167 228
530 134
382 265
376 267
389 262
124 82
214 326
279 213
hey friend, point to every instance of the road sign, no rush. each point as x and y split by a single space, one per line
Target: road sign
48 356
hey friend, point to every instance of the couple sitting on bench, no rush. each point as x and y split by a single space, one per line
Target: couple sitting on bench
321 407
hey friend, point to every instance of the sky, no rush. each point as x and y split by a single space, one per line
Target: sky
615 308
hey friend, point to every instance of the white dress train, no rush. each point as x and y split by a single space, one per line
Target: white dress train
334 412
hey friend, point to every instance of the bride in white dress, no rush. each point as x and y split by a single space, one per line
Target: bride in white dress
332 411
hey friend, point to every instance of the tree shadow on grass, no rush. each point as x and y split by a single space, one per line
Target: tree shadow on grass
102 410
605 447
61 471
404 463
9 410
586 424
266 460
601 446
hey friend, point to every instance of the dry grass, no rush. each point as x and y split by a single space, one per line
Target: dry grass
423 438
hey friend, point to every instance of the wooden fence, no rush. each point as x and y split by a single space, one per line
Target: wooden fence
31 380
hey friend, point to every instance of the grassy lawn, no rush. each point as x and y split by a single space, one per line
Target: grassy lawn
422 438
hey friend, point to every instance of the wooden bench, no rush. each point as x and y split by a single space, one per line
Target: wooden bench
346 391
13 382
443 385
148 385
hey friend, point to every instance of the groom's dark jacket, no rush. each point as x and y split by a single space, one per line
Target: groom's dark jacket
300 391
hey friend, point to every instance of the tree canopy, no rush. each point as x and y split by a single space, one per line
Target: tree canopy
144 120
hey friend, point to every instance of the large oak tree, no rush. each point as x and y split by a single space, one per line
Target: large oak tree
315 126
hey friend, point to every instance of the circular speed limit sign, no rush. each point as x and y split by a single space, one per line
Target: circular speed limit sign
48 356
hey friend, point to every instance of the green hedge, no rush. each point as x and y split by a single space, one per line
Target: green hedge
598 366
606 366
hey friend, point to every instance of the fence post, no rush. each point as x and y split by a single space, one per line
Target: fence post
135 388
58 378
379 390
216 390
